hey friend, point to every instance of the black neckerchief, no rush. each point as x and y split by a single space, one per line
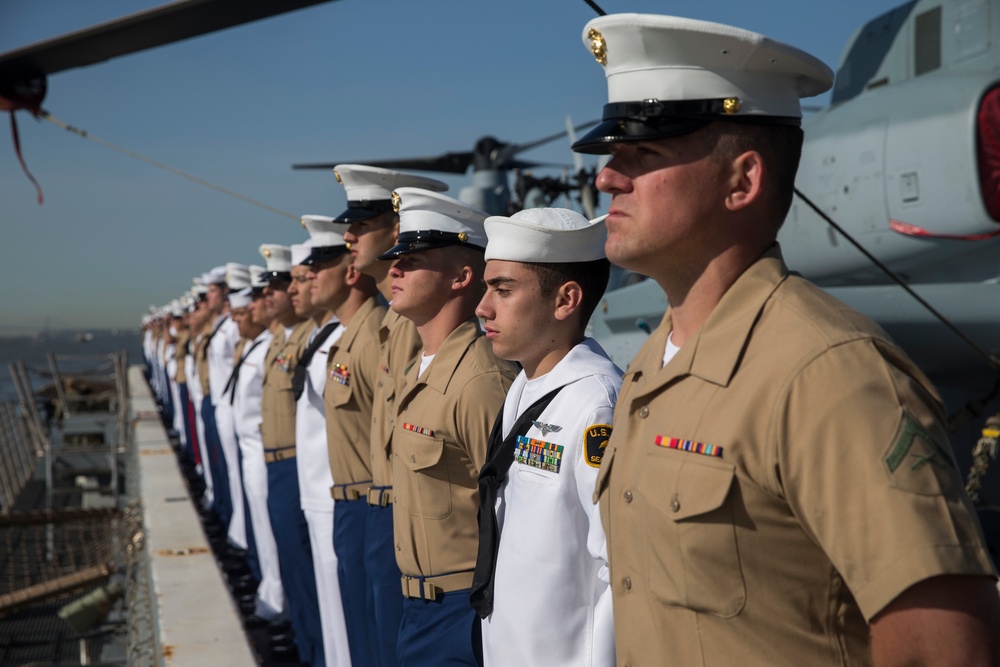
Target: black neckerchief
499 458
301 368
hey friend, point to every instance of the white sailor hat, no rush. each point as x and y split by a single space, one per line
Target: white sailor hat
242 298
669 75
369 189
188 301
545 235
326 243
175 308
431 220
278 259
237 276
258 279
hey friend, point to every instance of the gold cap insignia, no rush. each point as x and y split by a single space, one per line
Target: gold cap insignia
336 175
598 46
463 237
731 105
267 253
347 244
396 201
303 221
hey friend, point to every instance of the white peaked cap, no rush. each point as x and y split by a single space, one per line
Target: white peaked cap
369 189
216 276
237 276
240 299
323 230
257 278
176 309
299 251
545 235
676 71
326 239
198 286
431 220
277 258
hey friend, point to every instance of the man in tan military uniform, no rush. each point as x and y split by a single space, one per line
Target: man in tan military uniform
778 489
277 429
372 228
444 414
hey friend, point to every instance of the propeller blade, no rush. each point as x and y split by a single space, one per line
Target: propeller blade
144 30
571 134
510 150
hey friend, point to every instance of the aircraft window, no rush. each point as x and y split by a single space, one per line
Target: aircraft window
927 44
867 52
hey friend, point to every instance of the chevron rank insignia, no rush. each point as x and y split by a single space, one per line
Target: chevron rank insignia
546 428
595 441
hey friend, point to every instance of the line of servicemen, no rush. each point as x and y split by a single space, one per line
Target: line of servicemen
341 440
403 417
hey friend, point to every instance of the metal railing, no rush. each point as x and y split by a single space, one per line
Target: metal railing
54 546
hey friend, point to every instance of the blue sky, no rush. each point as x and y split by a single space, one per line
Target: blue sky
348 80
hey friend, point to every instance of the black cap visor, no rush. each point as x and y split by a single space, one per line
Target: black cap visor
649 120
271 277
323 254
363 210
425 240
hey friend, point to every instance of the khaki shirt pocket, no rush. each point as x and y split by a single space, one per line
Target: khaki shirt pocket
693 556
427 489
340 394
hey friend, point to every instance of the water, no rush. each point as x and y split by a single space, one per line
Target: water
72 354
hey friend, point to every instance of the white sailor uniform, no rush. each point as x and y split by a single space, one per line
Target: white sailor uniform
552 602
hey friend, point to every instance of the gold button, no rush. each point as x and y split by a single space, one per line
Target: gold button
675 504
398 548
628 496
644 411
627 583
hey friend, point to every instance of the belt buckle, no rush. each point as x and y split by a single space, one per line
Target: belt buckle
383 498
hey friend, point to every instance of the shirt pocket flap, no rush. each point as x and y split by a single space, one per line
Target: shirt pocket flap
700 489
416 450
339 394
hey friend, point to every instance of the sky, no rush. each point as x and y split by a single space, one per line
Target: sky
345 81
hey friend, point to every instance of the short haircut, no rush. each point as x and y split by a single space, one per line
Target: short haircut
779 145
591 276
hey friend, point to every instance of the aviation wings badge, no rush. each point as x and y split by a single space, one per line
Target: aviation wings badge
546 428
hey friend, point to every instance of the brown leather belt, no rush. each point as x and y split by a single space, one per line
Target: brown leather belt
354 491
279 454
380 496
431 588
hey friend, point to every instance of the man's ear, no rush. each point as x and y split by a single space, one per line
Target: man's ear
464 277
352 276
568 299
746 180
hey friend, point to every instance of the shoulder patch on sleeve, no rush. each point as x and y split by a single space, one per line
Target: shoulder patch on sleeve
595 441
918 463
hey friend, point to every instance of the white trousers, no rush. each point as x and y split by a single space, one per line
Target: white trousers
331 609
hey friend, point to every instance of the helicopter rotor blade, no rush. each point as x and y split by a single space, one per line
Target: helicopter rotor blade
510 150
143 30
447 163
